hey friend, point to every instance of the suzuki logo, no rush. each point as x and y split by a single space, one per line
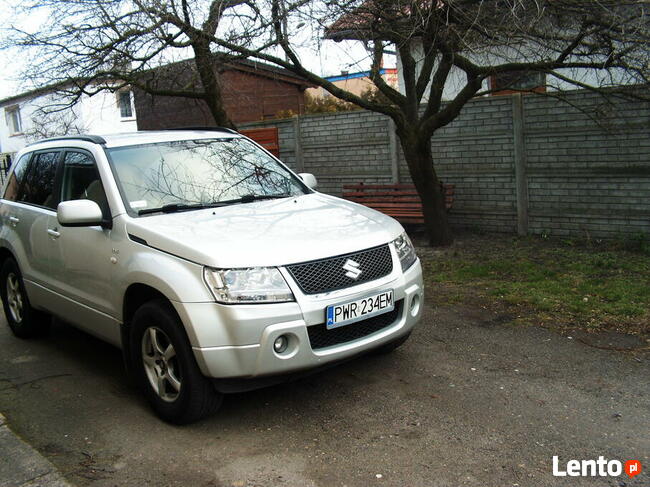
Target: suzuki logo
352 268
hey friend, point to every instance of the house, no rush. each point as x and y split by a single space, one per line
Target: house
44 112
356 83
251 91
365 24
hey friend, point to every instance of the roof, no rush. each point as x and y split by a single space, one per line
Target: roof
356 24
244 65
143 137
265 69
369 20
247 66
32 93
156 136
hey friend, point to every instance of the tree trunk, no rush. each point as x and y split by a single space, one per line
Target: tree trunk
417 152
210 83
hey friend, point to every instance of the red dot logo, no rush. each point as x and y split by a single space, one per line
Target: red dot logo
633 467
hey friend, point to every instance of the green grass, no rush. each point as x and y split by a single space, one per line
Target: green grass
548 282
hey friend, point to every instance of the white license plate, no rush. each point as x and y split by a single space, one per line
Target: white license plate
344 314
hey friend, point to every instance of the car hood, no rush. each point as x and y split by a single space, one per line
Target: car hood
268 232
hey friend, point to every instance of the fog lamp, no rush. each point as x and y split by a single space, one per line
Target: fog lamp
280 344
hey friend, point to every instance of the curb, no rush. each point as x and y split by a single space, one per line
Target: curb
22 466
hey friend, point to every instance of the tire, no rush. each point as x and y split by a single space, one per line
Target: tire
170 379
392 346
24 321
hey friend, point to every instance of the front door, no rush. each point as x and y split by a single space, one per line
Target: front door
81 256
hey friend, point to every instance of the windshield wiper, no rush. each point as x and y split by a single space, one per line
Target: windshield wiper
175 207
249 198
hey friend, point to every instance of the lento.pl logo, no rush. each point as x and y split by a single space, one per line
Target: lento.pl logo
596 468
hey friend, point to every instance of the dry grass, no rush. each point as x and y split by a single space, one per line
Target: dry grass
548 283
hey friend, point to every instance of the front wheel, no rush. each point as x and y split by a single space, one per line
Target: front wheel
24 321
165 367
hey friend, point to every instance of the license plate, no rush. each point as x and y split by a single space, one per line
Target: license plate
344 314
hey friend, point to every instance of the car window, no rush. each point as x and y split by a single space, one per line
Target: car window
81 180
198 172
38 188
16 178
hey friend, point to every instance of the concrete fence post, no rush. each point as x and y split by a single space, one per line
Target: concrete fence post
393 150
297 144
521 178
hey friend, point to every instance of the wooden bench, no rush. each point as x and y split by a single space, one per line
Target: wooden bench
401 201
266 137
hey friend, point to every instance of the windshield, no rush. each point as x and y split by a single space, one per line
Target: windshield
197 173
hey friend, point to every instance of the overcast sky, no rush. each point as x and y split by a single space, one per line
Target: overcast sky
330 59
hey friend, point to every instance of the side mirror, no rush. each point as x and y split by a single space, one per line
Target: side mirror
309 179
79 213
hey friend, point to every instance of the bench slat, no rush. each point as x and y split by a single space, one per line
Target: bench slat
378 186
399 194
356 196
383 201
384 193
387 187
401 201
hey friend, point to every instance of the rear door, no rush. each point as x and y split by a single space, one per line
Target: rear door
11 212
32 202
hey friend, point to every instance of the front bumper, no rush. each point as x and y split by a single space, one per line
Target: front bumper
237 341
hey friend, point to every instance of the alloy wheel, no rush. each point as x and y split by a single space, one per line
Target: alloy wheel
161 364
14 297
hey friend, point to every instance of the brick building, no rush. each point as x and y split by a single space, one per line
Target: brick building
252 91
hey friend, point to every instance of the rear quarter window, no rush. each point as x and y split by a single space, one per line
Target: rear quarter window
16 178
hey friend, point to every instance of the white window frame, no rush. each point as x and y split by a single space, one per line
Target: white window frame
119 105
10 111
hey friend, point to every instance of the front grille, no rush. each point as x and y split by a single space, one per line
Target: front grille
321 337
320 276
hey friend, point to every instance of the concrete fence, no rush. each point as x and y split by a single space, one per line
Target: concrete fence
526 164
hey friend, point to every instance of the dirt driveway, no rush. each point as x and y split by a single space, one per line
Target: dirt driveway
469 400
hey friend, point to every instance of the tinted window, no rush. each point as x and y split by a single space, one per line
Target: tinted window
39 182
16 178
81 181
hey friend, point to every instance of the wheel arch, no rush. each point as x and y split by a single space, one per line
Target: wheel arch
136 295
6 254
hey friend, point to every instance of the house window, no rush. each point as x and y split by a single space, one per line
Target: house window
514 81
12 116
125 102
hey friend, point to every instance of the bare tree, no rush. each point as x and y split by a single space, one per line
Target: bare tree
454 50
450 52
88 46
47 123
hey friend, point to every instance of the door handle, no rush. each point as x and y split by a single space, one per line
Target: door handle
53 233
14 221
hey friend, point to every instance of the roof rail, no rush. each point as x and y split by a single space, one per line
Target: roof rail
95 139
213 129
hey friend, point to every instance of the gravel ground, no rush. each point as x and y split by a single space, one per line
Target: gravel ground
469 400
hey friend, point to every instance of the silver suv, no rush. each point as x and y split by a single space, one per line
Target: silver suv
211 265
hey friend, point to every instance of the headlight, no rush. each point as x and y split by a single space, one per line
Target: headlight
254 285
405 251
